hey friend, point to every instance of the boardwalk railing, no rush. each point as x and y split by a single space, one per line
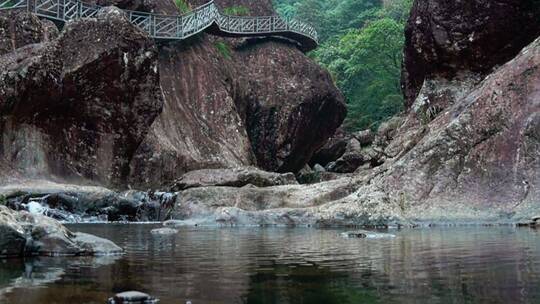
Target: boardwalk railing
175 27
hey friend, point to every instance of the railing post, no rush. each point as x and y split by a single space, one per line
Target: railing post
153 25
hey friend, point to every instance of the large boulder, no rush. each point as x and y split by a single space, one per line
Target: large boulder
102 104
293 106
25 234
236 102
447 38
77 107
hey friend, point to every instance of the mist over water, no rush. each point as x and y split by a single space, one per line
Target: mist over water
280 265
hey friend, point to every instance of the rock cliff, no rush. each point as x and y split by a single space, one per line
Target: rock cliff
103 104
236 102
467 149
451 38
75 107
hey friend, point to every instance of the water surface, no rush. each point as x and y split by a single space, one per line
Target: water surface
280 265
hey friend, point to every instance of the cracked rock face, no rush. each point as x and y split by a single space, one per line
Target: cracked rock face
484 148
446 37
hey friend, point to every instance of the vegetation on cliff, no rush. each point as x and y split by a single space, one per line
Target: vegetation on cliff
361 45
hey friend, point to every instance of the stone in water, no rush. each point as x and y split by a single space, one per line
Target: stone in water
364 234
132 297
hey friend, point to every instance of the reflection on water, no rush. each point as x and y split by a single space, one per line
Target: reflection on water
248 265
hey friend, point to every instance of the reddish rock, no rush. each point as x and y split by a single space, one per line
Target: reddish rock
485 148
446 37
18 30
95 114
78 107
334 148
292 106
264 104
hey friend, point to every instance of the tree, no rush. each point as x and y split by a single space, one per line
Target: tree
361 45
367 66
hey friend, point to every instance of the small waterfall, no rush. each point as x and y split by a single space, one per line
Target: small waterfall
38 205
128 206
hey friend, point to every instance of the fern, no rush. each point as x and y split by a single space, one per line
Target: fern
223 49
182 6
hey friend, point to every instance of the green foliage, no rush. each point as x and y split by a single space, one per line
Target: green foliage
361 45
224 49
3 200
182 6
238 10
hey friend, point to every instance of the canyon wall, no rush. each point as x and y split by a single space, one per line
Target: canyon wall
119 109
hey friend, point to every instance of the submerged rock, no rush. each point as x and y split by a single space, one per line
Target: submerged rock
364 234
164 231
25 234
132 297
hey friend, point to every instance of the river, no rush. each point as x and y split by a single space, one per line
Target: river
288 265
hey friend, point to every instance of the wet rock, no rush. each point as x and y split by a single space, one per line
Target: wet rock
133 206
93 245
234 177
45 236
13 240
71 203
447 37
